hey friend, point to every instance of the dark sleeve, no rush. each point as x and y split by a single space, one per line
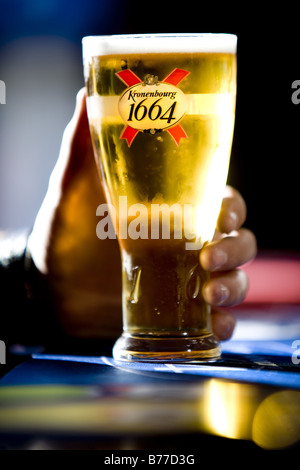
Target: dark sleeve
24 312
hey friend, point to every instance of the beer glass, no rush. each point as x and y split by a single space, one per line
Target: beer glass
161 112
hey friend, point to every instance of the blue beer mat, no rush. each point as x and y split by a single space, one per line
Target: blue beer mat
262 362
260 352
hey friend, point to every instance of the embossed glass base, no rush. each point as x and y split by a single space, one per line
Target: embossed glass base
166 349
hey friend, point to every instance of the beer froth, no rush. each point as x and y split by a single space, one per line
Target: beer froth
149 43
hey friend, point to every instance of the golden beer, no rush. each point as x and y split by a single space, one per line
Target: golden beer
162 123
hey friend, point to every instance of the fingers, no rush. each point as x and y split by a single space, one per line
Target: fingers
229 252
226 289
233 211
232 247
228 285
223 324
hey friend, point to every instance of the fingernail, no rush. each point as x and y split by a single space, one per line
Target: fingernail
232 221
223 294
220 257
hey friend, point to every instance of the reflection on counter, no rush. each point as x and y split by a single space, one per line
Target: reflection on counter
264 415
276 423
228 408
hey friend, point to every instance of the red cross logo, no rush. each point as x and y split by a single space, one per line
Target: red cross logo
155 111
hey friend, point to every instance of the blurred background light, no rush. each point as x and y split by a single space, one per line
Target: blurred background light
276 424
41 66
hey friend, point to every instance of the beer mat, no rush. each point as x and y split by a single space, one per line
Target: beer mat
259 369
263 365
260 351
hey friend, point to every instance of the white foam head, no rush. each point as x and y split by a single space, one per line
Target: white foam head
158 43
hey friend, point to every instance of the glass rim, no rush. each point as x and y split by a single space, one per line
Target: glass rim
158 42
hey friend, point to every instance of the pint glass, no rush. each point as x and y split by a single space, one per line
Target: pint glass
161 112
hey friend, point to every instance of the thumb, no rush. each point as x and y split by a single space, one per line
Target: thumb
76 149
75 172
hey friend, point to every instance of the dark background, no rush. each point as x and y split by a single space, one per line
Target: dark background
264 164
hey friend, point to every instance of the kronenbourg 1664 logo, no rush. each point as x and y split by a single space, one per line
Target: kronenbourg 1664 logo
152 106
